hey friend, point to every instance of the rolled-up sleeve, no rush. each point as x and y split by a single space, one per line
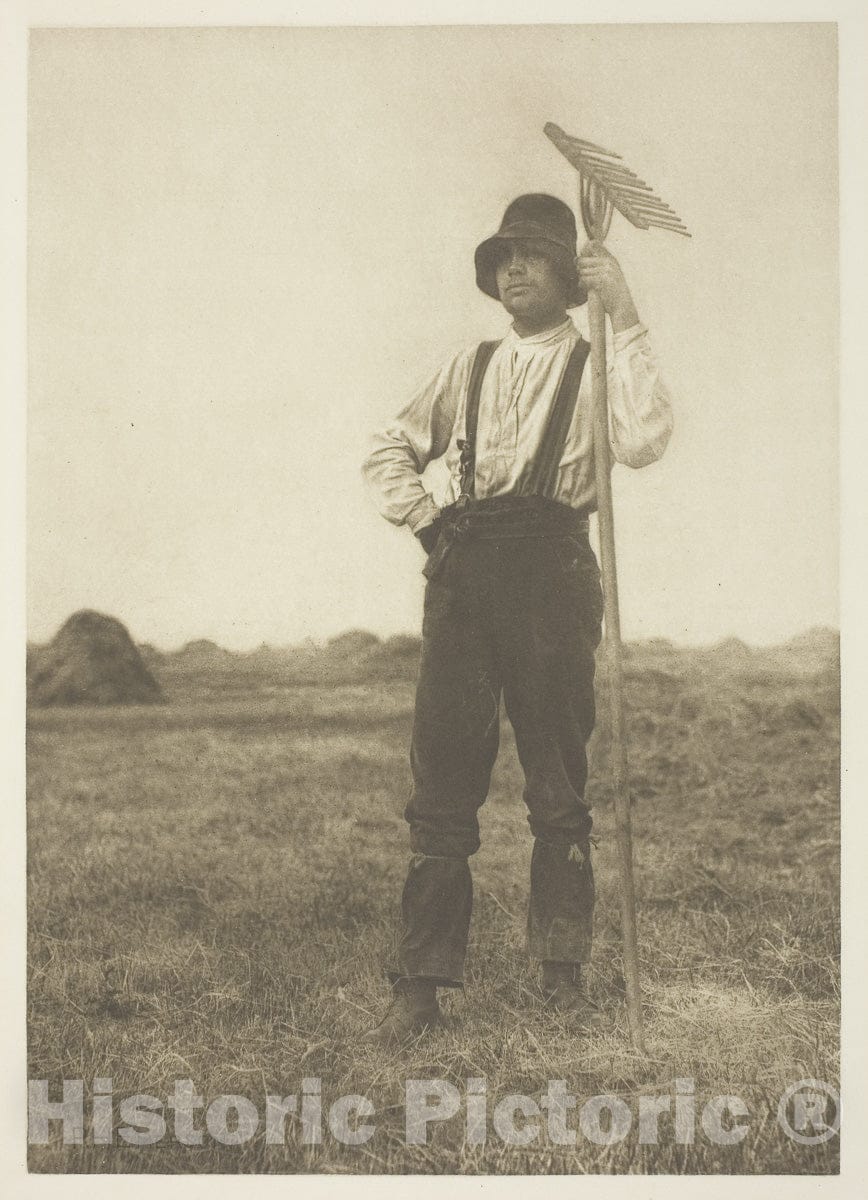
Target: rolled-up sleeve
418 435
640 409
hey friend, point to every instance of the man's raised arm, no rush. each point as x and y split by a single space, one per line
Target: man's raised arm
640 412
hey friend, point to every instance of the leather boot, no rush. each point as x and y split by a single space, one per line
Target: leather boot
413 1011
562 991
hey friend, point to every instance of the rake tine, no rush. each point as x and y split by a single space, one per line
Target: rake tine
628 185
662 210
605 168
671 228
603 156
658 211
620 181
603 161
644 223
637 219
668 222
675 226
590 148
650 214
641 195
641 198
647 206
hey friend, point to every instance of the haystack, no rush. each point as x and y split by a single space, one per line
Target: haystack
352 644
91 660
203 653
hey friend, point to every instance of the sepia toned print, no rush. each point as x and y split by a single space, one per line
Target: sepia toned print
500 836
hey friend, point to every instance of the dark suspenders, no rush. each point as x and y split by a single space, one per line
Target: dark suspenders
467 444
541 476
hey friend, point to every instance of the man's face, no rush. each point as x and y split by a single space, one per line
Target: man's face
531 290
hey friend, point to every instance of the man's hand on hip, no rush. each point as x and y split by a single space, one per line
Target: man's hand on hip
428 535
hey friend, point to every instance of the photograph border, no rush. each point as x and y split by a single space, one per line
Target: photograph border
853 94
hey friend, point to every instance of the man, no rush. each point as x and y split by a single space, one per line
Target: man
513 603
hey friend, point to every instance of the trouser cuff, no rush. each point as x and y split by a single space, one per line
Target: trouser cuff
436 904
560 921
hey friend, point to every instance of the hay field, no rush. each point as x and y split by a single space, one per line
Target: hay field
214 885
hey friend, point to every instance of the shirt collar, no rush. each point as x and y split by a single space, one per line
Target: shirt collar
548 337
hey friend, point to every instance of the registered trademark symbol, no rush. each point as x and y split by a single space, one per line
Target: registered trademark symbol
809 1112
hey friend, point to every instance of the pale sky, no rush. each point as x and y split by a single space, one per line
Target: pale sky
249 246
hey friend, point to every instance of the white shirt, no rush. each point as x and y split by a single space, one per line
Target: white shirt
518 390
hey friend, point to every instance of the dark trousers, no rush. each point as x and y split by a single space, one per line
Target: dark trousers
518 616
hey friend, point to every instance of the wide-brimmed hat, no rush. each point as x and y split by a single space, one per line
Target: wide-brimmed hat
533 216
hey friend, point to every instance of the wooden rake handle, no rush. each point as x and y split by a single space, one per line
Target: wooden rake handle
614 663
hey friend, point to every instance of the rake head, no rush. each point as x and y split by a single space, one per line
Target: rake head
606 184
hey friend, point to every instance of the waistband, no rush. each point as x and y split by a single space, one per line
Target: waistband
513 516
503 517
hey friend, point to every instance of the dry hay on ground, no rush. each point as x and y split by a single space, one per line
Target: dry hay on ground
91 660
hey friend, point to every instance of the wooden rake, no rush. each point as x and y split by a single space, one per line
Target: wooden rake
605 184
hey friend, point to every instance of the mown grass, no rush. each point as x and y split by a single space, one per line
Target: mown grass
214 887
